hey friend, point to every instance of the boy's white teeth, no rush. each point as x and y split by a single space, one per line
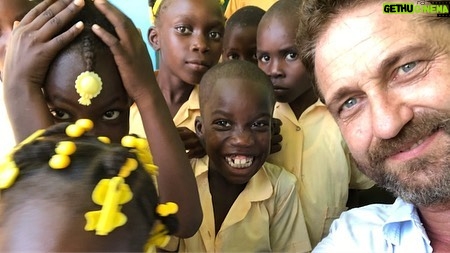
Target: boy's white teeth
239 161
415 145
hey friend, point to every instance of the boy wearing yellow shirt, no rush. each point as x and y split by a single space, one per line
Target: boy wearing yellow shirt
312 146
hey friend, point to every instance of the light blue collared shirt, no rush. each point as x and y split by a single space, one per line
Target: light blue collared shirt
377 228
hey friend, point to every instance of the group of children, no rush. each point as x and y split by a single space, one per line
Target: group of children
191 106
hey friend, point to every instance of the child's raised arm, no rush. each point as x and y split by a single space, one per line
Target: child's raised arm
176 180
30 51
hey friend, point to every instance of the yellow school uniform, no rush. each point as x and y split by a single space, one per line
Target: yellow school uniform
185 116
234 5
314 151
266 216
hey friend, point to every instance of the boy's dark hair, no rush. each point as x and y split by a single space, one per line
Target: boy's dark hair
245 16
73 186
233 70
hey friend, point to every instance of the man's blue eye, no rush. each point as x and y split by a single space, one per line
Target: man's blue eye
350 103
408 67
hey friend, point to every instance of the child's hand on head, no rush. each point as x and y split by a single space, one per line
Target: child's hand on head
130 52
33 44
191 143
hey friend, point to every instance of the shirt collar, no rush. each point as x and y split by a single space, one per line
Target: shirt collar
402 214
259 187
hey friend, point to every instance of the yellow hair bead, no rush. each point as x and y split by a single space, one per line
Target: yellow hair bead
58 162
130 165
167 209
141 143
128 141
151 169
65 148
74 131
158 237
104 139
8 168
88 86
87 124
8 174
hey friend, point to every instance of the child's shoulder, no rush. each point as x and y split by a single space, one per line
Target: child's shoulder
279 175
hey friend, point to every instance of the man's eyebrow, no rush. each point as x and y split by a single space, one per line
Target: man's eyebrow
338 95
393 58
386 64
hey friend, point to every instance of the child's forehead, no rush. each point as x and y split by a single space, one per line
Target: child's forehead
240 87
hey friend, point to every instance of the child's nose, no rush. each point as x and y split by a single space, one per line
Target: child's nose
242 138
275 69
199 43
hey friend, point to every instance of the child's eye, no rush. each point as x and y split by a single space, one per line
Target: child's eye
264 58
60 114
111 115
254 56
261 125
215 35
183 29
291 56
233 56
222 123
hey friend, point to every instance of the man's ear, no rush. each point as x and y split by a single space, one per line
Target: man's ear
153 38
199 127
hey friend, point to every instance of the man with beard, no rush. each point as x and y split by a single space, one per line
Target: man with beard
386 81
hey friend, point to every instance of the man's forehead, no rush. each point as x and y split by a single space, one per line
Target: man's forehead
356 43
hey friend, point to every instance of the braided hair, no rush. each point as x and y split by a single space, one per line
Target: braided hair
38 186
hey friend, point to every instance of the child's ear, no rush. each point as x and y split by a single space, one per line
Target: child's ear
153 38
199 127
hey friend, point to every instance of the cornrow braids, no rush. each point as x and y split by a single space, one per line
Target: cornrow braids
93 161
87 43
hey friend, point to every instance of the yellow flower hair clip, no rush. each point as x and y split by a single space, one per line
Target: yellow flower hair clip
88 86
111 194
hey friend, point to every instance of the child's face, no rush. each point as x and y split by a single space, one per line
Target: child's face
10 11
239 43
109 110
190 38
236 128
278 58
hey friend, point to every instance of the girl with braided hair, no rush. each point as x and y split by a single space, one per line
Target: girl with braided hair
90 61
63 190
187 36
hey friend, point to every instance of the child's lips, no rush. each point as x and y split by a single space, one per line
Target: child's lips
277 88
198 65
